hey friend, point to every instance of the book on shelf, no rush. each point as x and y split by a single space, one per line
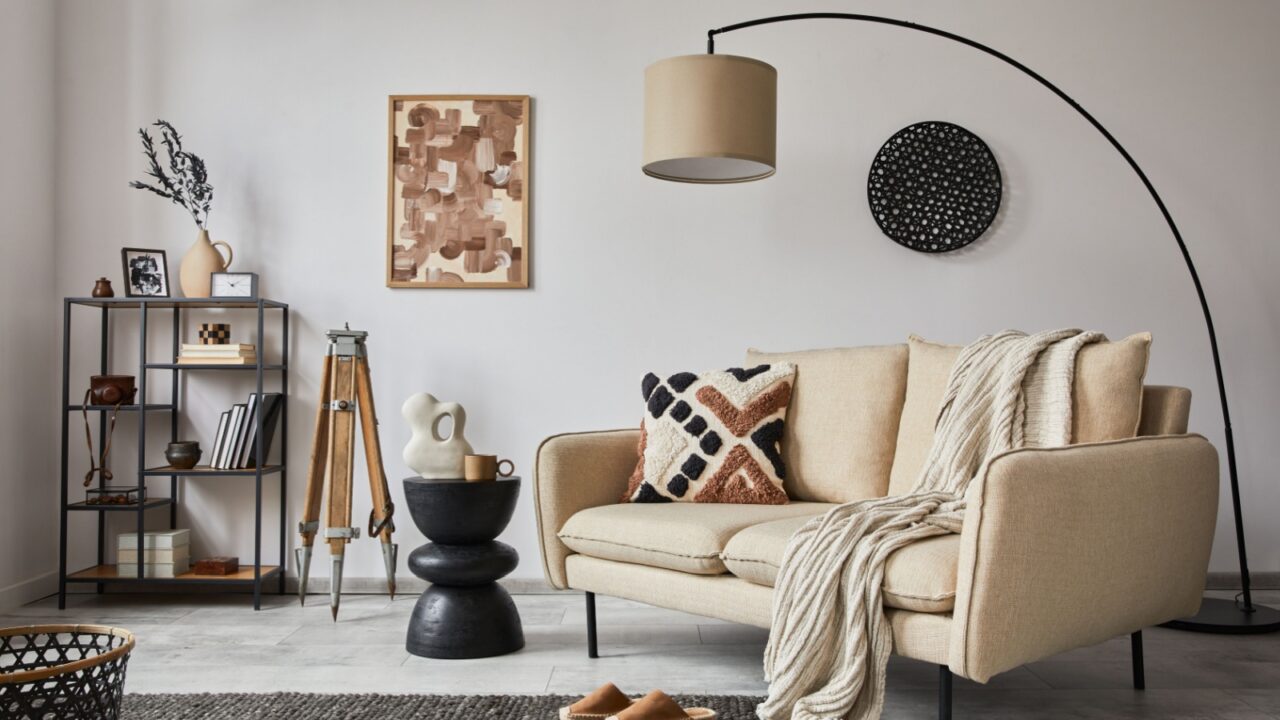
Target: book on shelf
246 428
186 360
235 427
207 349
235 445
220 445
158 539
195 354
153 570
218 353
218 438
269 407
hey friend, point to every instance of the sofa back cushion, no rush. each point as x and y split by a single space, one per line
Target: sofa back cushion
1106 398
843 420
1165 410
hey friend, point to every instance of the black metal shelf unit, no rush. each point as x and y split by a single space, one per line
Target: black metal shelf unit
102 573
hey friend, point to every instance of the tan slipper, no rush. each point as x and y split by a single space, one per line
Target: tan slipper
657 705
605 701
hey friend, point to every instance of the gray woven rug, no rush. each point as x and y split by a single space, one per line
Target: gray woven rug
300 706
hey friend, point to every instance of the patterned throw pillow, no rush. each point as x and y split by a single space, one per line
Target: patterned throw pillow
713 438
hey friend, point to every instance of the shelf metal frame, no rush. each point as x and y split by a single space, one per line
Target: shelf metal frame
143 409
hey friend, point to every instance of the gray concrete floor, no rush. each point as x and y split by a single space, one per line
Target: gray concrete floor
217 643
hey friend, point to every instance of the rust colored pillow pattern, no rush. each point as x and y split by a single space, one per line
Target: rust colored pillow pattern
714 438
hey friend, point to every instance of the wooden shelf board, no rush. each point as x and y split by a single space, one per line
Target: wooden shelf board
211 366
109 573
123 303
206 470
123 408
150 503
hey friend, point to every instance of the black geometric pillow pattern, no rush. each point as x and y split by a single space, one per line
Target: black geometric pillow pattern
713 438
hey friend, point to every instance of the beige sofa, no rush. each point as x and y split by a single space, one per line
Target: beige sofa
1061 548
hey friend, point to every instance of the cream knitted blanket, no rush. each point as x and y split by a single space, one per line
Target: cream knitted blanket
830 640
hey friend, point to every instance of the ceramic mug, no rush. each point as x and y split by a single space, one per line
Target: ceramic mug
485 467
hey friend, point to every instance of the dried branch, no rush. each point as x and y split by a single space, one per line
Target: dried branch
187 181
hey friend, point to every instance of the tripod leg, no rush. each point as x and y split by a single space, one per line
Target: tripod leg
342 430
315 481
383 510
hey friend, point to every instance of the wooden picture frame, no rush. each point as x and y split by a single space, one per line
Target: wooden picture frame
458 191
146 281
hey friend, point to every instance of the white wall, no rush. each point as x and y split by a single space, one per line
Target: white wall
29 313
286 101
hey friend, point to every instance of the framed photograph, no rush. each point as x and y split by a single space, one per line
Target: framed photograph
458 191
146 273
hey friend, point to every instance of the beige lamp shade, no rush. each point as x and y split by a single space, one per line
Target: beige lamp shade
710 119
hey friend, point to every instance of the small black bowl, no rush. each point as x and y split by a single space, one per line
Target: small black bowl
183 454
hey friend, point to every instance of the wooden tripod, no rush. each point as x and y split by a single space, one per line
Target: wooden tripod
344 387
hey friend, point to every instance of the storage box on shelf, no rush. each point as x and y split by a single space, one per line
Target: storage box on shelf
165 553
255 444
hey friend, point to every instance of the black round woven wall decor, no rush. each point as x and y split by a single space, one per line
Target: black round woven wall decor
934 187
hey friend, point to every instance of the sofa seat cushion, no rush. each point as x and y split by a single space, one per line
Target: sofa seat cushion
688 537
919 577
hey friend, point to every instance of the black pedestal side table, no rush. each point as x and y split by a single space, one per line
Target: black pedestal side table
464 613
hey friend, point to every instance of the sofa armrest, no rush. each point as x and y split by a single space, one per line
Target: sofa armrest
1068 547
573 472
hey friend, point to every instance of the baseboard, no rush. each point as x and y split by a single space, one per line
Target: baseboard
46 585
1231 581
377 585
538 586
21 593
315 586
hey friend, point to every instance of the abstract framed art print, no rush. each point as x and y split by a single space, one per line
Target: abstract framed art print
458 191
146 272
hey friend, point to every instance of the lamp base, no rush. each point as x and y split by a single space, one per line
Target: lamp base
1224 617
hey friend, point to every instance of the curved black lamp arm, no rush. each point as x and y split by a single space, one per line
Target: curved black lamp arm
1195 277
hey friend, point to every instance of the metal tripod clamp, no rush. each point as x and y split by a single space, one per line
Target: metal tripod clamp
347 342
376 526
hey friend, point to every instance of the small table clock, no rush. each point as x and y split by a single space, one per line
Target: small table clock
233 284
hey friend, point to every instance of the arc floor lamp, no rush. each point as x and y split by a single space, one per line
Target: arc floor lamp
712 119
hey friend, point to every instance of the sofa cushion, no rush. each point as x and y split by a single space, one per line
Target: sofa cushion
920 576
1106 402
678 536
843 420
714 437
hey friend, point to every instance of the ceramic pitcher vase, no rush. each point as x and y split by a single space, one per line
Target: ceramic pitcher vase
428 453
202 259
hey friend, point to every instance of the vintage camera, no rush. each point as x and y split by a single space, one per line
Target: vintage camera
111 390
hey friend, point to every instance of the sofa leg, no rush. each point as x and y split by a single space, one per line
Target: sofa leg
1139 674
591 626
944 692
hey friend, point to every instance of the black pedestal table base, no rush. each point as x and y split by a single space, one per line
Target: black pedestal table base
465 613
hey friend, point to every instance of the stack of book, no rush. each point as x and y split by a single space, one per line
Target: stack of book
165 554
235 445
199 354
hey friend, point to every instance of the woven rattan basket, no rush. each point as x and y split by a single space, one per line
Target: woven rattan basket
63 671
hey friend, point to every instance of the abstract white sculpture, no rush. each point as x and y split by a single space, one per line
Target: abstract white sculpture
429 454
